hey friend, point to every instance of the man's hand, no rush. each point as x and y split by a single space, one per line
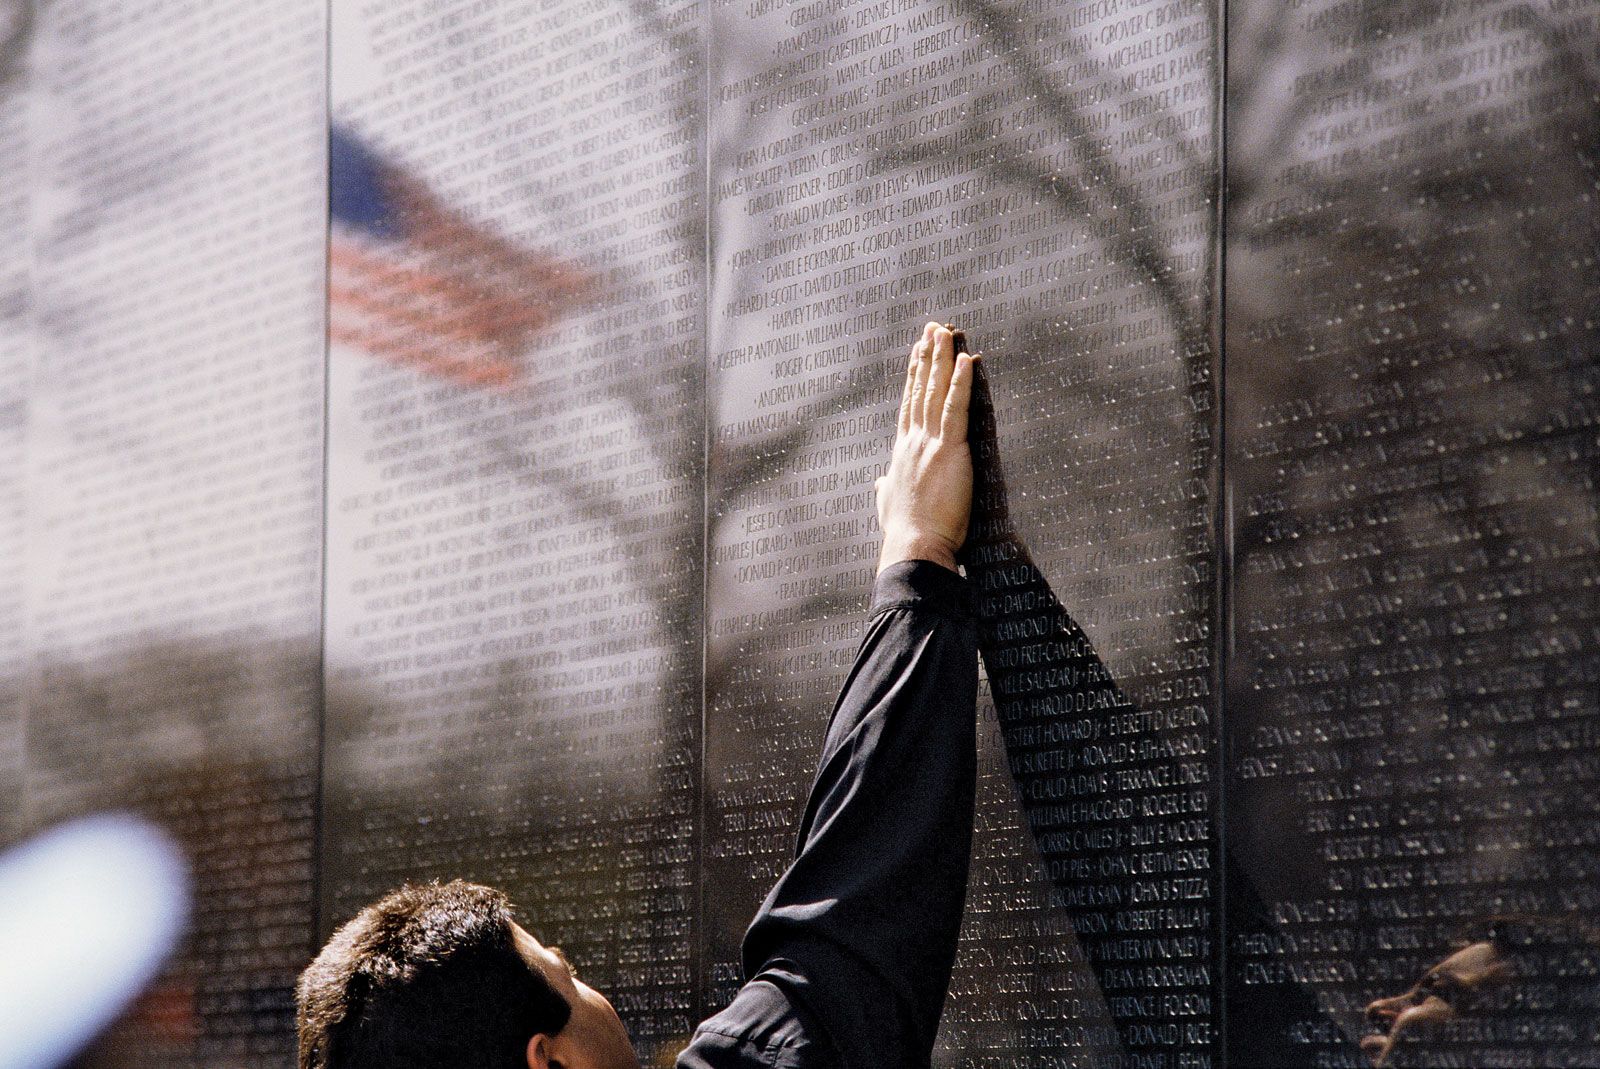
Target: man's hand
925 500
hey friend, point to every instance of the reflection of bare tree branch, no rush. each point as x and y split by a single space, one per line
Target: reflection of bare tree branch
755 466
1567 56
1275 41
14 48
1140 230
687 41
1136 242
663 583
1040 86
1278 39
1133 245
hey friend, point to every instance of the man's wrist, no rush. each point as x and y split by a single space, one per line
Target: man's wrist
926 584
898 547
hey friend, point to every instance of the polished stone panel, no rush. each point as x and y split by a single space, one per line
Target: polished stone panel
171 496
1411 379
1045 179
515 494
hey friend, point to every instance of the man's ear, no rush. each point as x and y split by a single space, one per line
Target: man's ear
539 1053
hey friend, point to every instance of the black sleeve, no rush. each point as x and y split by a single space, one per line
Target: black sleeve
849 958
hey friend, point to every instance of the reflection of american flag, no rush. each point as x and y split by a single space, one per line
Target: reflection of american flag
413 282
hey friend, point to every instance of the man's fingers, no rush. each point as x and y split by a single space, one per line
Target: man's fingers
958 400
943 365
919 386
905 392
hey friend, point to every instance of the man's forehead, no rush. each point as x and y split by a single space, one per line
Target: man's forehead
530 948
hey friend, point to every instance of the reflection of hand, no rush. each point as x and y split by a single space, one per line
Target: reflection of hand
925 500
991 513
1453 987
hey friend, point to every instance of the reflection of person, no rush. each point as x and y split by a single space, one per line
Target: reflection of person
1513 969
1443 992
1045 673
849 957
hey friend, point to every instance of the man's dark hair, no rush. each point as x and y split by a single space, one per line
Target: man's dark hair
426 978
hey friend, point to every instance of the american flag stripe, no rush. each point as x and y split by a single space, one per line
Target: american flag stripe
413 282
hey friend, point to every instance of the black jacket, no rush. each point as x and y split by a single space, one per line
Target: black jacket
849 958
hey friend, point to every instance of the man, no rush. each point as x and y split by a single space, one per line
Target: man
849 957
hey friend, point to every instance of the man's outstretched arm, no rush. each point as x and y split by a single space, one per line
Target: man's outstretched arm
849 958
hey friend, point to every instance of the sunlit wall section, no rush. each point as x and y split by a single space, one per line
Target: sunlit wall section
173 457
516 434
1414 776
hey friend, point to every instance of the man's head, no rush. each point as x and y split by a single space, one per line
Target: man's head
438 976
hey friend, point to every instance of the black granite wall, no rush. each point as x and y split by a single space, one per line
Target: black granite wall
440 440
